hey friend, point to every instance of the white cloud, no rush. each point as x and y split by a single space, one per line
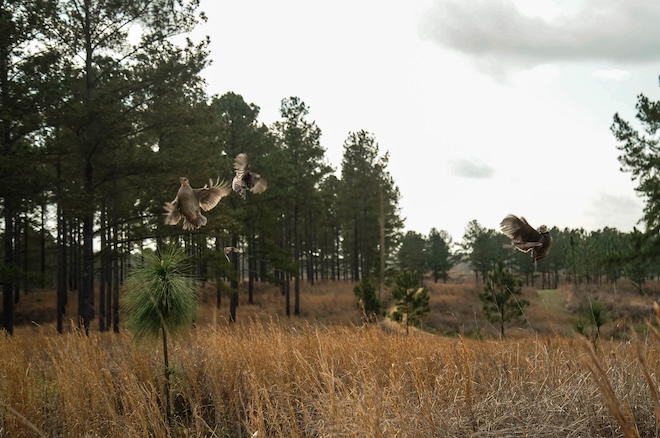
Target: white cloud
500 36
470 169
611 74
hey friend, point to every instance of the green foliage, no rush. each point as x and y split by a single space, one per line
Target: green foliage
483 248
412 252
639 155
499 297
412 300
160 295
367 192
598 314
580 326
593 315
440 256
367 295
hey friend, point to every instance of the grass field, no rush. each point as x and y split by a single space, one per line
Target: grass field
325 375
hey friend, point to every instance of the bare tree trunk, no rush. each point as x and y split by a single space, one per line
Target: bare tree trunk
7 98
61 268
233 297
356 250
263 266
86 292
287 275
309 238
103 267
8 286
17 256
296 278
116 272
218 279
252 266
381 229
42 245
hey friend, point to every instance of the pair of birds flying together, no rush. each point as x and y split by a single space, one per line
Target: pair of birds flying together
189 202
525 238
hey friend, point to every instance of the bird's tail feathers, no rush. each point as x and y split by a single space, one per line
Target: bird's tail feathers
260 186
202 221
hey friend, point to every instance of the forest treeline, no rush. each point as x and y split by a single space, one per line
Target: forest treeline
103 108
577 256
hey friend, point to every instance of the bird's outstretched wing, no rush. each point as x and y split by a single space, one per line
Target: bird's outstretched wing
211 194
240 164
172 213
519 230
229 249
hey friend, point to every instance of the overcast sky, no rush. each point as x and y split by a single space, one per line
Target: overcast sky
486 107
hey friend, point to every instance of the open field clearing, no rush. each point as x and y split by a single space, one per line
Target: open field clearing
323 374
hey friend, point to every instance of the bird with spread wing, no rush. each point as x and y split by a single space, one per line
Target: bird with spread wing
525 238
245 180
189 202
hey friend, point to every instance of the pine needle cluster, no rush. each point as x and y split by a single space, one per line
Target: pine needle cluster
160 294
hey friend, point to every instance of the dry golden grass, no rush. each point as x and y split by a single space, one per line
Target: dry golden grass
324 375
307 380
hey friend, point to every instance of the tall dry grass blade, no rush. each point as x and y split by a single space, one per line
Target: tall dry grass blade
467 386
655 332
24 420
607 392
641 357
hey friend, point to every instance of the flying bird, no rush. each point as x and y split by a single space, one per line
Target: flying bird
228 249
525 238
246 180
189 201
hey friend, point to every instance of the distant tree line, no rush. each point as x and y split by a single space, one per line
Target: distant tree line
595 257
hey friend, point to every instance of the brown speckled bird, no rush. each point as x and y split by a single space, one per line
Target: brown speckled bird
525 238
245 179
189 201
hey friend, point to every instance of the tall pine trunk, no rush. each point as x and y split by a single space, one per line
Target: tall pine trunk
86 292
252 266
61 254
356 250
8 286
233 298
296 279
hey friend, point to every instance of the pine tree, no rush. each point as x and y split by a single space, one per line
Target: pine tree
368 299
365 183
304 166
500 297
639 155
440 256
160 300
412 300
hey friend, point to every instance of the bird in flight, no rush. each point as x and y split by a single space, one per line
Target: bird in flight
228 249
525 238
189 202
245 180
